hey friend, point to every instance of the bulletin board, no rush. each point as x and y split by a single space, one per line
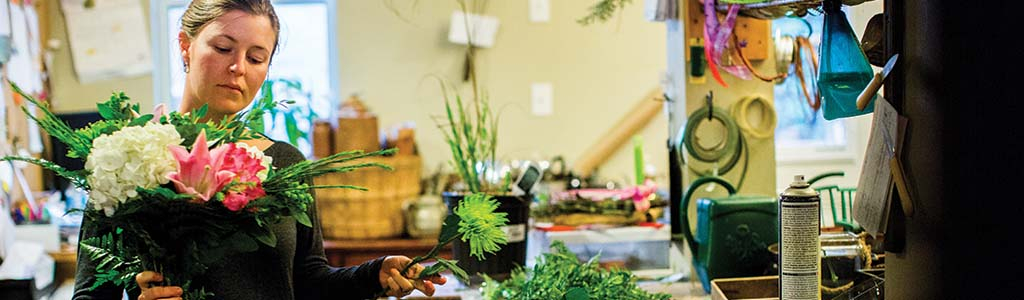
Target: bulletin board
25 28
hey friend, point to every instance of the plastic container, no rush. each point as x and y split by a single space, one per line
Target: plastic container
844 70
641 249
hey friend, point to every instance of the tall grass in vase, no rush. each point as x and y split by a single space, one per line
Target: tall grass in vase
471 134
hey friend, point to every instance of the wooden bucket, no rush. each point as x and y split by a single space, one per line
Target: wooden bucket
372 214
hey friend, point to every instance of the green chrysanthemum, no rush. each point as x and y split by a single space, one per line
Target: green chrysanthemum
480 225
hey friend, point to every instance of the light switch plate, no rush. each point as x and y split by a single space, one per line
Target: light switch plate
542 96
540 11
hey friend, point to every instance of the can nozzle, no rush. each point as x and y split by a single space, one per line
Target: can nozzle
798 181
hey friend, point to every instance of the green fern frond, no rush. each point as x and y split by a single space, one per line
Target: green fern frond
114 262
602 11
76 177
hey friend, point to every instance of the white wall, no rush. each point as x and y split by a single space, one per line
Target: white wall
598 72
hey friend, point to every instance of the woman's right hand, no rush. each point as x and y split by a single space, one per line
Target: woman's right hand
146 280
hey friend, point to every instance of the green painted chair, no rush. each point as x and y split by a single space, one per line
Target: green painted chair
844 216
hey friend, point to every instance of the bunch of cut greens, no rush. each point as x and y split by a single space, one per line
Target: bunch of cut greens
560 275
473 221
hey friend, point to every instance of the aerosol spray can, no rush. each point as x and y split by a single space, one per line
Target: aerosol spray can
799 246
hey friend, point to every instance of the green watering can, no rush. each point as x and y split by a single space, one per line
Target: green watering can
733 233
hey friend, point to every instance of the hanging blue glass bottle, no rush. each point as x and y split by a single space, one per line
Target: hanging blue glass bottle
844 70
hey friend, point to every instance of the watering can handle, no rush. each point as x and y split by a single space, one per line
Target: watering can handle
686 204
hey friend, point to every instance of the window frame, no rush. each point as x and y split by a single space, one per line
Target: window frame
811 154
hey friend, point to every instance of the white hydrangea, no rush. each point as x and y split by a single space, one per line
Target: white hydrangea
256 153
132 157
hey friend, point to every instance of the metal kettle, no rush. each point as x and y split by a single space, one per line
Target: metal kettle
733 233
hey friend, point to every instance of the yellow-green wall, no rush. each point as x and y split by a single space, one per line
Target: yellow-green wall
598 72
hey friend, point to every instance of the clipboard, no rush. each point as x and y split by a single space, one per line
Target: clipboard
881 171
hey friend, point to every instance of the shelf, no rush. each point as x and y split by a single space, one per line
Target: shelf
774 9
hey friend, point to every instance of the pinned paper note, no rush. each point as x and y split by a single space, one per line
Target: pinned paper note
481 29
91 30
871 203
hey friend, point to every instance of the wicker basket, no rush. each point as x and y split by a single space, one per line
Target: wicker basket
376 213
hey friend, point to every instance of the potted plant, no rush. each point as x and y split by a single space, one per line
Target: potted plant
470 131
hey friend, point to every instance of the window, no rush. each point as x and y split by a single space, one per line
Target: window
803 134
303 69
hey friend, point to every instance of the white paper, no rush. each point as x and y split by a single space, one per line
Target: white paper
23 67
651 12
5 36
871 205
28 260
3 115
35 140
6 231
109 40
482 33
7 171
5 28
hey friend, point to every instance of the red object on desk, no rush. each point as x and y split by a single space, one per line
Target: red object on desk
558 228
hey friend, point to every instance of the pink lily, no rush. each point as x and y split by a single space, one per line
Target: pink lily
159 111
199 172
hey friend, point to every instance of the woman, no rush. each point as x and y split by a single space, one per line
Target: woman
226 47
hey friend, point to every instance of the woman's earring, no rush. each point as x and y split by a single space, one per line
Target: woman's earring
186 67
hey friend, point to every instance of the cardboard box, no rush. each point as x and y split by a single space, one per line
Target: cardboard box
747 288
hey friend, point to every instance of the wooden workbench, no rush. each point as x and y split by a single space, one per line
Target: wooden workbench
354 252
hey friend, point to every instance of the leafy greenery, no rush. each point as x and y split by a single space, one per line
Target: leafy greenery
78 145
475 222
287 108
560 275
479 225
114 266
602 11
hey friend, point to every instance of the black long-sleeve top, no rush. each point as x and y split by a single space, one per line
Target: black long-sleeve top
295 269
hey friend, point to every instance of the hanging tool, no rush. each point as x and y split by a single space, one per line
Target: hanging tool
732 144
768 118
876 83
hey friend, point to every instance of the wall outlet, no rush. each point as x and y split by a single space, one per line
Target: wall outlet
540 11
542 96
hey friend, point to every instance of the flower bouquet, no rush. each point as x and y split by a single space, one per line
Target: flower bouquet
176 195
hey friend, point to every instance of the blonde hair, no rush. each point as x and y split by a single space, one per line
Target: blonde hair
202 12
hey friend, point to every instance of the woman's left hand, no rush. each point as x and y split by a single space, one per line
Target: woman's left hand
398 285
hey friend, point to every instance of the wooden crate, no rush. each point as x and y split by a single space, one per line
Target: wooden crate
372 214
